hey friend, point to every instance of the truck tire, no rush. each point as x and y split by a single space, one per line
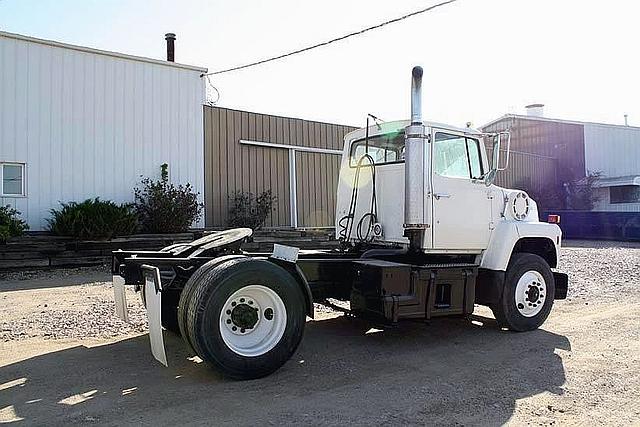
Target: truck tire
246 317
528 294
187 291
168 310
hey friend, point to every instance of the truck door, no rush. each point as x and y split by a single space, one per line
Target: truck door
461 204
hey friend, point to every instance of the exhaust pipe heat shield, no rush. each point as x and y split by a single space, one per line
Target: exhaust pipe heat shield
415 166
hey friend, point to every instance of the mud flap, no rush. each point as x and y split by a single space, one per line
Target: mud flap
153 299
120 298
562 284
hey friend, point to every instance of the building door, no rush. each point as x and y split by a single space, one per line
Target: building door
461 206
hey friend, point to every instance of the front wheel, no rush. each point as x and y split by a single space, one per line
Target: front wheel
528 294
246 317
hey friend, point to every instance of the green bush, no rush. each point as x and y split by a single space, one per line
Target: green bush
163 207
93 219
249 211
10 224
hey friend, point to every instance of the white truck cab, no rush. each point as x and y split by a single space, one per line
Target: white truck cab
464 211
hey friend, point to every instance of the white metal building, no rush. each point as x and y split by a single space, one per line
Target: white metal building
614 151
581 148
78 123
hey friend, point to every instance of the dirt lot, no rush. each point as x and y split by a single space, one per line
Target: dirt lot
64 358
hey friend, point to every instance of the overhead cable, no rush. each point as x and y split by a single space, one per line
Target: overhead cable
346 36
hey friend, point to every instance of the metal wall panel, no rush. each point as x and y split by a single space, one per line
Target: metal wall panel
231 166
612 150
527 171
563 141
90 124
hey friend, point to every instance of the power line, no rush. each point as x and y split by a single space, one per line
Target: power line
346 36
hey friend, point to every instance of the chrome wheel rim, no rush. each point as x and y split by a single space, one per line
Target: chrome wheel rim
253 320
531 293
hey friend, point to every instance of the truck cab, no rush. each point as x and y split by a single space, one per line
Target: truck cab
464 211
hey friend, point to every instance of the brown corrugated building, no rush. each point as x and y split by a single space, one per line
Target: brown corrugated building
298 160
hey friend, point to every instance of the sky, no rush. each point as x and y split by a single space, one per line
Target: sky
481 58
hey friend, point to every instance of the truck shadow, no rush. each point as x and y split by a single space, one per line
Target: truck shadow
345 371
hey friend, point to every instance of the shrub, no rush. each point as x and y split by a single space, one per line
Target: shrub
581 194
163 207
10 224
93 219
249 211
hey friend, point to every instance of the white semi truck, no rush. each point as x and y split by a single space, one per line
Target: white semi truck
424 233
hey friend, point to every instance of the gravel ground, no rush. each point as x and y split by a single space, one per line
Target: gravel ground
65 358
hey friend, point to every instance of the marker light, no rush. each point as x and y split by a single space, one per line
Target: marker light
553 219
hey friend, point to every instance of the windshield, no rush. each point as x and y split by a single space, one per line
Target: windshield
384 149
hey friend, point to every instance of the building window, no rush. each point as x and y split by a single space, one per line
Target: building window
624 194
12 178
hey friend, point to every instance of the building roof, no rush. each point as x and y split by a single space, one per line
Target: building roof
101 52
546 119
618 181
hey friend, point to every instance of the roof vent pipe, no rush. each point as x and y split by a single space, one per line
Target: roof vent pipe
171 49
535 110
415 160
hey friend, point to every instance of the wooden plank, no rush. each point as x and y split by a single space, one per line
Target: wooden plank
22 263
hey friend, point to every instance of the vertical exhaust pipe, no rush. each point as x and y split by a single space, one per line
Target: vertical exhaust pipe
171 49
415 170
416 96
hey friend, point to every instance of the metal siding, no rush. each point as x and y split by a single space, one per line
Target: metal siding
527 171
90 125
560 140
256 169
614 151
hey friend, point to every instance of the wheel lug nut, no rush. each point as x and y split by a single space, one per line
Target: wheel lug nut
250 302
228 311
233 304
241 299
242 330
228 321
234 329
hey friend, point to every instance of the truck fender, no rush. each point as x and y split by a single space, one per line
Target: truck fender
297 274
507 234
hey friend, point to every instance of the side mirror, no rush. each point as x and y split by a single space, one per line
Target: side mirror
495 161
490 177
496 151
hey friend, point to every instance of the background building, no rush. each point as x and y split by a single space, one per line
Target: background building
298 160
582 148
77 123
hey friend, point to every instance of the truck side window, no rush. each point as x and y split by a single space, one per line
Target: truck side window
456 156
475 162
450 156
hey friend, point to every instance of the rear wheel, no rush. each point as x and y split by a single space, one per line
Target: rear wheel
187 291
246 317
529 291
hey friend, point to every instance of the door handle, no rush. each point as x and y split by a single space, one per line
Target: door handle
439 196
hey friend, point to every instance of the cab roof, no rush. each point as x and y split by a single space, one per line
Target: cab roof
400 125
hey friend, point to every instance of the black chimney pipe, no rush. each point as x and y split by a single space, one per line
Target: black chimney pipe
171 49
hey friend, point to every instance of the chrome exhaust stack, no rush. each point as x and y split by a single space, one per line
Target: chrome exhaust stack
416 219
